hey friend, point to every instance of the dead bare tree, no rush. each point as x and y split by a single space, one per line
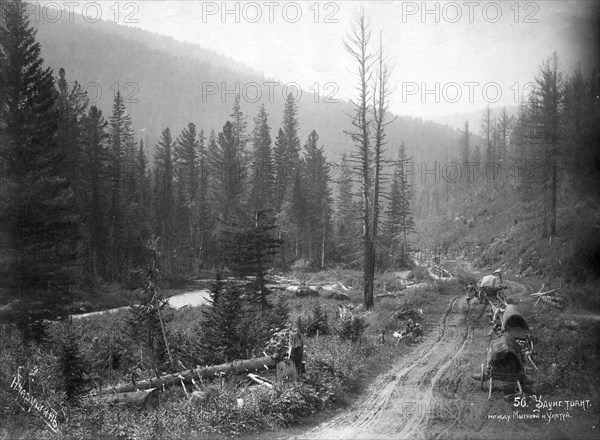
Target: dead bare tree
367 158
356 45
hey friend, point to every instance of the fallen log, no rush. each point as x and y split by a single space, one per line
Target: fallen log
386 295
235 367
554 302
146 399
543 293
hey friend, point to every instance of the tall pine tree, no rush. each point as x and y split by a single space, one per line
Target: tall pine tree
95 162
318 198
121 165
165 197
38 215
262 163
400 219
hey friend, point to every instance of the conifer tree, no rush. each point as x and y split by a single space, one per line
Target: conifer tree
262 163
318 198
188 183
165 198
504 125
465 153
230 174
281 170
257 247
346 208
72 104
95 164
73 368
185 155
400 219
287 149
546 111
220 325
37 210
121 176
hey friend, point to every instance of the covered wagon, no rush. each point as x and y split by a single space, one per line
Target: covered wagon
515 325
491 287
504 362
513 321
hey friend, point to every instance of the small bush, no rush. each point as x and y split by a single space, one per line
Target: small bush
72 365
277 345
418 273
351 327
317 322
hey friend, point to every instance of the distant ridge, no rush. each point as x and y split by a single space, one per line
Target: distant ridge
165 84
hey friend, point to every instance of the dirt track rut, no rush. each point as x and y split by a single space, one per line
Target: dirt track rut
401 403
430 393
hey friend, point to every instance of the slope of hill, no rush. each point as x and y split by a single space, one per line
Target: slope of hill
503 229
457 120
168 84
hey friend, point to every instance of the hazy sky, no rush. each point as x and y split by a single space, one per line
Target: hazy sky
447 56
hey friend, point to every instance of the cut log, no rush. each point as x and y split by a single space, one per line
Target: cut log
146 399
235 367
553 302
386 295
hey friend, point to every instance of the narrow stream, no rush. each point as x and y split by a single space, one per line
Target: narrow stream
192 299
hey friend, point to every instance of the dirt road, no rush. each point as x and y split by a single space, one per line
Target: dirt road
402 402
430 393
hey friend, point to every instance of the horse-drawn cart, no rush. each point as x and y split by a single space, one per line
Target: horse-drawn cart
504 363
514 324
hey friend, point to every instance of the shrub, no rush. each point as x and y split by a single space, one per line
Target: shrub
317 322
277 345
334 365
350 327
418 273
72 366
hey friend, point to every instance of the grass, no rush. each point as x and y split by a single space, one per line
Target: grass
336 372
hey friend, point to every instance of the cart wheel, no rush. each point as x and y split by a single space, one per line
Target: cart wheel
482 377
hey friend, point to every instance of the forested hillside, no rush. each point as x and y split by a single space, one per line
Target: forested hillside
161 81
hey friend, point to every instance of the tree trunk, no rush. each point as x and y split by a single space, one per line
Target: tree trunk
553 204
146 399
236 367
296 351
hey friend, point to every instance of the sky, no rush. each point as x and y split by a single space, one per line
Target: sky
447 57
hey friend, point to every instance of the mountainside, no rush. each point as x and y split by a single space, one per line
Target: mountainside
457 120
169 83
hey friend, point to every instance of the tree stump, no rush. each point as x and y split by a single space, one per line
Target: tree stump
296 351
